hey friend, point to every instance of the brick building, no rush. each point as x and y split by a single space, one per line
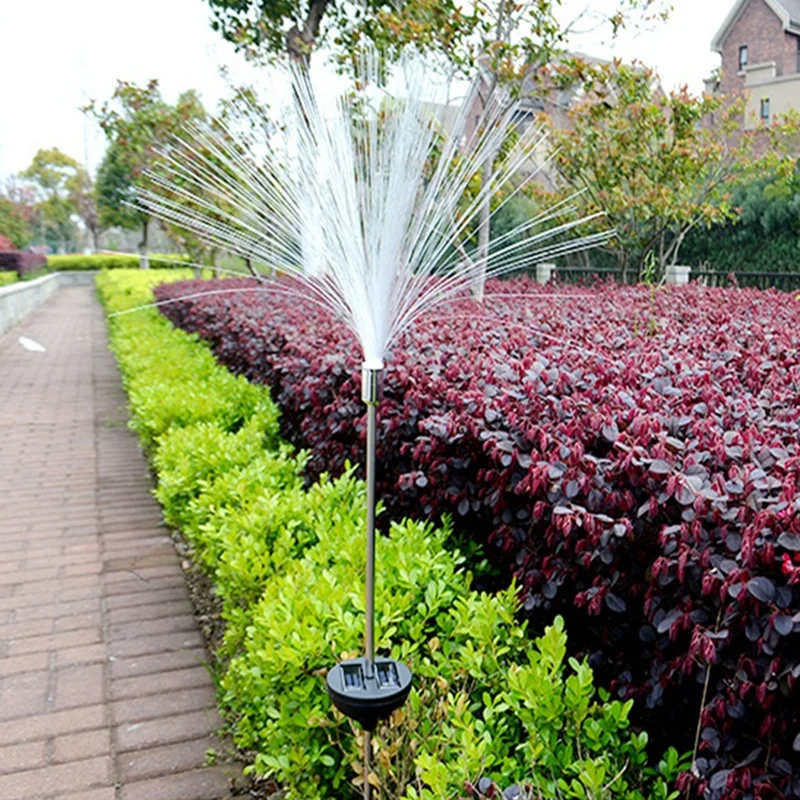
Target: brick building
759 42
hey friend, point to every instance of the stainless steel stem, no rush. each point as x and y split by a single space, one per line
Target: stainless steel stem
370 632
369 394
370 386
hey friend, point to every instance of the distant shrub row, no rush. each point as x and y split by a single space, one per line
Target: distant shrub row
490 711
98 261
21 263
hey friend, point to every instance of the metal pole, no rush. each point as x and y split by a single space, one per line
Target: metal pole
370 604
369 394
370 380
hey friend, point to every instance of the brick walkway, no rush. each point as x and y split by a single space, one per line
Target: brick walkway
103 692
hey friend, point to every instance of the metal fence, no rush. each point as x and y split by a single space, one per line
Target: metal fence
583 275
782 281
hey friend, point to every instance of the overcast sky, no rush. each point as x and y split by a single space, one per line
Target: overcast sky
57 55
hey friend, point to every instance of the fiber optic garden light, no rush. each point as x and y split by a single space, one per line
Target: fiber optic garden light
365 209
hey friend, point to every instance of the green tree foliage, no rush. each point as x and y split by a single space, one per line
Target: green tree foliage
509 43
83 196
17 213
138 123
54 177
645 159
764 236
266 28
116 191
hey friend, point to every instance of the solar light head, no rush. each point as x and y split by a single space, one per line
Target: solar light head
368 696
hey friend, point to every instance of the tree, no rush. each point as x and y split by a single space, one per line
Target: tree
52 173
646 160
764 235
509 42
17 213
83 196
266 28
138 123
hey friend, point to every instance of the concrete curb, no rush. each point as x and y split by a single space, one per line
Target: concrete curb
20 299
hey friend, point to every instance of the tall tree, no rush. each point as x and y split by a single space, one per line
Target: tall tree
17 212
52 173
508 42
266 28
83 195
138 123
644 159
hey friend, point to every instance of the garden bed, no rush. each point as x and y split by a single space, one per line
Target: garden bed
628 455
489 707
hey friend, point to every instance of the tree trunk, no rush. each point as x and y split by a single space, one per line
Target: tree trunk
478 287
300 43
145 258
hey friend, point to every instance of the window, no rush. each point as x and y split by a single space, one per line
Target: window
742 57
765 109
798 54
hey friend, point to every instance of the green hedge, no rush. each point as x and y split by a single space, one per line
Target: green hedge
98 261
7 278
288 563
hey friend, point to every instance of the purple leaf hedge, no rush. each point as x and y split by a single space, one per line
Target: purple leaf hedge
630 456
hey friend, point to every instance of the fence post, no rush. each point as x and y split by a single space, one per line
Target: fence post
677 275
544 273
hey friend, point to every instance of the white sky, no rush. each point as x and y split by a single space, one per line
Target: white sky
56 55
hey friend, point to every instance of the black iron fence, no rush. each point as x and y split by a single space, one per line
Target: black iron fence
581 275
782 281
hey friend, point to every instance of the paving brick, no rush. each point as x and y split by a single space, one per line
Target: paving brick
80 746
109 793
31 627
147 587
159 682
125 648
43 726
23 577
80 686
162 705
168 730
85 654
23 694
166 760
78 622
18 757
153 627
156 662
48 781
54 610
152 611
54 641
132 599
144 574
205 784
86 568
28 663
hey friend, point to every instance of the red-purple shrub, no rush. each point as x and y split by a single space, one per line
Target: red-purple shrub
630 455
21 263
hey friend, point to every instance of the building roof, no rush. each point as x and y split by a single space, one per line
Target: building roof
788 11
